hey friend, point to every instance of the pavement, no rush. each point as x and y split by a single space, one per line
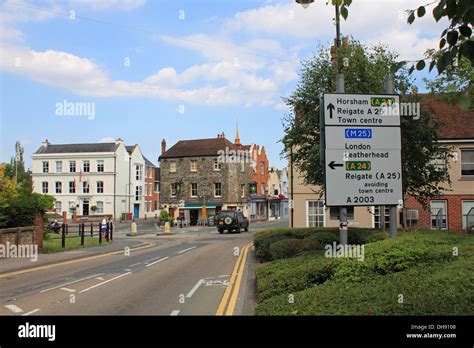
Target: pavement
192 272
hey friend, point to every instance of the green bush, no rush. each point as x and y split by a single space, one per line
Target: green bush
421 265
324 238
291 247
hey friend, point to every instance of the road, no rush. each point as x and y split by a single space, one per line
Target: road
191 272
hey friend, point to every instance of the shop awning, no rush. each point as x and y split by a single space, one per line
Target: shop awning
209 205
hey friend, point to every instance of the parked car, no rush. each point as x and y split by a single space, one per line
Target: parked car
231 220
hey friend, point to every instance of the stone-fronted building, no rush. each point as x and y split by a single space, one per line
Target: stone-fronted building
203 176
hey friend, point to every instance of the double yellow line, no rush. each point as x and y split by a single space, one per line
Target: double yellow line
229 300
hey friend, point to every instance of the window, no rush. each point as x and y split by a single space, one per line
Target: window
173 166
85 187
242 190
381 216
59 187
193 165
262 168
138 172
45 167
157 187
438 215
100 207
194 190
217 165
138 193
174 189
155 205
315 214
467 162
100 166
86 166
262 188
100 187
72 187
467 215
59 166
217 189
58 207
44 186
334 213
72 166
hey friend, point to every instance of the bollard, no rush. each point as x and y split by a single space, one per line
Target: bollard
111 230
107 233
100 235
82 227
63 236
133 227
67 229
92 229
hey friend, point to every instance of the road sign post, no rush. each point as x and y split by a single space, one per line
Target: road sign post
362 152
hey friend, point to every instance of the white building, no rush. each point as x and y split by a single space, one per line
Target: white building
107 176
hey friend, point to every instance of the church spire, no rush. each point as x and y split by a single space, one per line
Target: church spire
237 139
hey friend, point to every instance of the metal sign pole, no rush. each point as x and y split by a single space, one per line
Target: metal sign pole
393 208
342 210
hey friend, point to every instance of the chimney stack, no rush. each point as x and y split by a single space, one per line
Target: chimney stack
163 146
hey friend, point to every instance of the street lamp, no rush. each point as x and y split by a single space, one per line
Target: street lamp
304 3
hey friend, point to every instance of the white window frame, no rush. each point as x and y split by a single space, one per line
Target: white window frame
45 166
217 165
445 206
59 166
100 164
72 188
101 187
72 164
193 166
307 212
44 187
215 189
58 187
58 206
192 189
85 187
173 190
172 166
100 207
86 164
463 213
461 163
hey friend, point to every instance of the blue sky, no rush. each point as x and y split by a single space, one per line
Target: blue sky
222 63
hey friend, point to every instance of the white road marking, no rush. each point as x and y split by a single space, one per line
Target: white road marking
224 275
31 312
148 261
99 278
183 251
135 264
127 269
175 312
108 280
14 308
163 259
194 289
75 281
67 289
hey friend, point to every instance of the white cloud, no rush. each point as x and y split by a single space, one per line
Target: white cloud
107 140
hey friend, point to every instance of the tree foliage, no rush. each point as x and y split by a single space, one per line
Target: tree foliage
365 69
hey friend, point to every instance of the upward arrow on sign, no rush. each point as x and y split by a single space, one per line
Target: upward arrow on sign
330 108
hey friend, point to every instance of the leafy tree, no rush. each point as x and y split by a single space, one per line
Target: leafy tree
365 69
456 40
455 83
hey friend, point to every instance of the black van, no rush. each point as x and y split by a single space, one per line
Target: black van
231 220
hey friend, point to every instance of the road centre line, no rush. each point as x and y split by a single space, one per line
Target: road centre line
194 289
104 282
31 312
175 312
67 289
147 261
135 264
163 259
74 281
183 251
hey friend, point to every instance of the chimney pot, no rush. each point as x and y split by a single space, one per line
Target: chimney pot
163 146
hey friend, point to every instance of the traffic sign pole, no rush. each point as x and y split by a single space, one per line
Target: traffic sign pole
340 88
393 208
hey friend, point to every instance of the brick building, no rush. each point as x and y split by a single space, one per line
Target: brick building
152 186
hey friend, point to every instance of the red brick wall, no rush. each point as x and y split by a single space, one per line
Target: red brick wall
257 176
454 207
153 195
